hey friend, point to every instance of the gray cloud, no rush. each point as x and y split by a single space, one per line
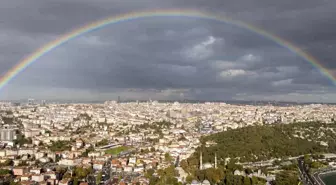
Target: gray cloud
169 57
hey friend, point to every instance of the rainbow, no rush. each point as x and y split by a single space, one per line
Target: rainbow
23 64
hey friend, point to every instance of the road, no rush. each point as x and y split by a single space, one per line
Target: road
106 171
306 178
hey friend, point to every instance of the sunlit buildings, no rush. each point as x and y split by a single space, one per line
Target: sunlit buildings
7 134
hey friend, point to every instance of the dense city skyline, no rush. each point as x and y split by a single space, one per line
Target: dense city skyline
169 58
165 143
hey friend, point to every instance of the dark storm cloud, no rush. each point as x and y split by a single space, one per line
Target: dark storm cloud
208 58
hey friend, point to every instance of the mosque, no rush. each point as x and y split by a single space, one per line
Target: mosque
207 165
203 167
195 182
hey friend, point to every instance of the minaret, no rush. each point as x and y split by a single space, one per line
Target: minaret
215 160
201 162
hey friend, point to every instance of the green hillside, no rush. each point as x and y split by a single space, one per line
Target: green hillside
258 143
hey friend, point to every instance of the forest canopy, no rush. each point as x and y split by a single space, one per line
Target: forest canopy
257 143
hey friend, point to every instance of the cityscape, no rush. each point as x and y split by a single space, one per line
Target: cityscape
167 92
132 142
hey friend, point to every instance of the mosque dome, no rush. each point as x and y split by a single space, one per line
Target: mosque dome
207 165
205 182
195 182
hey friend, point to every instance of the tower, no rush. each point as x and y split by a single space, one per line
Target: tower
201 162
215 160
31 101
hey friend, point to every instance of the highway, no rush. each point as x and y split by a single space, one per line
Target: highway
306 178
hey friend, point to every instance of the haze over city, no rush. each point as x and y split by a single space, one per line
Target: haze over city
169 58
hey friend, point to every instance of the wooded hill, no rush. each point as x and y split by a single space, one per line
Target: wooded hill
257 143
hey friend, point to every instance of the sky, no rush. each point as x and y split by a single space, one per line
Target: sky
169 58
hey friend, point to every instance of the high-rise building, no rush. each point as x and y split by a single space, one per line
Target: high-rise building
31 101
7 134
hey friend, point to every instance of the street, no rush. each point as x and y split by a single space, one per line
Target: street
306 178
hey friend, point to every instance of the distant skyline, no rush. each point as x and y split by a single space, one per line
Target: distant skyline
231 102
169 58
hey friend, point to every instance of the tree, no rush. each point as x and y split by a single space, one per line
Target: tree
153 180
169 171
233 166
61 170
60 146
167 176
87 151
4 172
58 158
99 177
168 158
102 142
307 159
247 181
189 179
229 179
264 171
82 172
276 162
8 162
14 183
149 173
200 175
286 178
254 180
21 140
257 143
67 175
237 180
75 181
248 171
316 164
214 175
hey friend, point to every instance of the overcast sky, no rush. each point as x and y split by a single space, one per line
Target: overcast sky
169 57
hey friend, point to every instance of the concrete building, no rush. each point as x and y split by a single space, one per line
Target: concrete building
7 134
